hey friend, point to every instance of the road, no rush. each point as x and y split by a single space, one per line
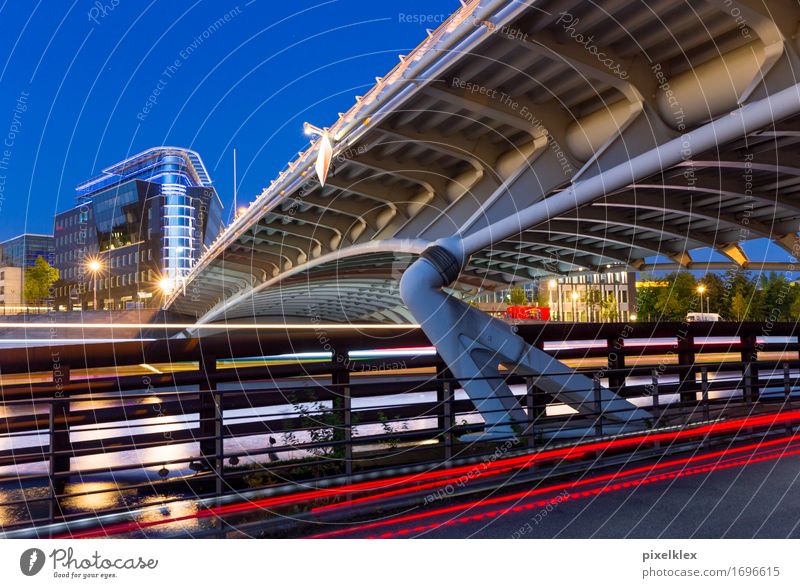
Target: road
736 494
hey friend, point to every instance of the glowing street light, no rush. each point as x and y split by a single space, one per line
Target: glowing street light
166 285
701 290
95 266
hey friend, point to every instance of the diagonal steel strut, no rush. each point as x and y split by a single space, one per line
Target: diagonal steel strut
473 344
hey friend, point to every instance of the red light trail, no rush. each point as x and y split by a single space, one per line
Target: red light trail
398 485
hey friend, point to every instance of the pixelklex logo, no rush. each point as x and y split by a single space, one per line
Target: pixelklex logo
31 561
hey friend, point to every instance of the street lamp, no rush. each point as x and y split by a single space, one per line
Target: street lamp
95 266
701 290
166 285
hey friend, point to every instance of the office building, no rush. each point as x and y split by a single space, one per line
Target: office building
10 289
595 297
23 250
135 231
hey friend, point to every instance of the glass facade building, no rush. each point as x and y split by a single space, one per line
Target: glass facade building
136 231
23 250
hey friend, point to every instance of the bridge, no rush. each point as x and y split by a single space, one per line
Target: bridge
518 140
505 116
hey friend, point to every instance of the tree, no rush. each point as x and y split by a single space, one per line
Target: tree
518 297
38 280
714 296
610 310
594 301
737 281
647 299
775 298
680 298
738 306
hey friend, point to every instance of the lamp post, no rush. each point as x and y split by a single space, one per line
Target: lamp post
701 290
94 266
166 285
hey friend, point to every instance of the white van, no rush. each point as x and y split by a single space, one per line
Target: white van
703 317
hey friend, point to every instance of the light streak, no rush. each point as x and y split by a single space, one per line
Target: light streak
518 462
226 327
627 484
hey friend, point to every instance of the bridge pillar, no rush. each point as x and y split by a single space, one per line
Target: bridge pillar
211 413
60 445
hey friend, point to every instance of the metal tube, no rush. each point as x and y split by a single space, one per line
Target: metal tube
742 121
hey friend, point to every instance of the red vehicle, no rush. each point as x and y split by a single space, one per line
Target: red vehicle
528 313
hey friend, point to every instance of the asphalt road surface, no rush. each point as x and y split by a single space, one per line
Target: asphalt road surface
734 495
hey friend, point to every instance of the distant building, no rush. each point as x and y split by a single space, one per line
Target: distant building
608 295
593 297
136 231
23 250
10 289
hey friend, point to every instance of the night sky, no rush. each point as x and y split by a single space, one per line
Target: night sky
84 87
75 86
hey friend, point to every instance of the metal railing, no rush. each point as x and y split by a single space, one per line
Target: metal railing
306 422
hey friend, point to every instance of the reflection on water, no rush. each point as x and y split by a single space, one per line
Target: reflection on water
29 509
92 496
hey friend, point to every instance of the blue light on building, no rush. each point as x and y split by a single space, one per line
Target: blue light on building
146 220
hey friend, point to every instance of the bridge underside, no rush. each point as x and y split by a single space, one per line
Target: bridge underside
504 106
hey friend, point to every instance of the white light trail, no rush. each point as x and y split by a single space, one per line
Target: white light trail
233 327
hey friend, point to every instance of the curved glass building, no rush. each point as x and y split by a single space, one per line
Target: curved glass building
136 230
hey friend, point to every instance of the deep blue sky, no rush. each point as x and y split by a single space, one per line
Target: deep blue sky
250 84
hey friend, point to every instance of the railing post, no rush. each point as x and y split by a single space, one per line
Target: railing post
787 392
60 444
686 374
704 388
654 385
749 355
598 407
616 363
787 386
536 405
747 388
342 405
211 414
654 381
444 398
